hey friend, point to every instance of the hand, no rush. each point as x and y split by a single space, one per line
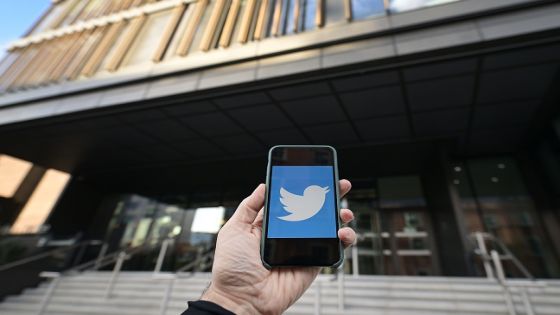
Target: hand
240 283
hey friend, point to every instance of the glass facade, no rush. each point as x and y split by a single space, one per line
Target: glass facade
495 199
145 222
200 27
397 221
397 6
362 9
394 228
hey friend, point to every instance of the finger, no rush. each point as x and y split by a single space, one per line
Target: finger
346 215
347 236
345 187
250 206
259 218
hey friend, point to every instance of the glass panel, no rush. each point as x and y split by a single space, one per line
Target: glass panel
362 9
41 202
8 61
366 224
76 11
168 223
114 46
508 212
469 206
400 191
179 32
289 23
52 16
199 32
142 50
310 9
334 12
406 234
134 223
406 5
12 173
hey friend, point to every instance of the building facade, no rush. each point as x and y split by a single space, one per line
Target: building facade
132 121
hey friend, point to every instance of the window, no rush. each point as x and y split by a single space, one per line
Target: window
362 9
199 31
55 14
142 50
334 10
406 5
12 173
310 10
112 40
400 191
179 33
41 203
495 199
289 17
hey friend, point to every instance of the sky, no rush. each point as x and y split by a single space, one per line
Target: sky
16 16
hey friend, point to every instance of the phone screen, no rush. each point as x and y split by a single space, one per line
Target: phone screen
302 208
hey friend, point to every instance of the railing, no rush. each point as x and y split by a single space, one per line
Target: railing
81 246
492 262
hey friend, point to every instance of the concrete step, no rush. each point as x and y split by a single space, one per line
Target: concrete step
36 295
373 288
138 293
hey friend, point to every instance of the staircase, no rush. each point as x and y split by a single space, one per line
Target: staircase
138 293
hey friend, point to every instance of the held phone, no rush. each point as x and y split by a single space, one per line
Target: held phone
300 223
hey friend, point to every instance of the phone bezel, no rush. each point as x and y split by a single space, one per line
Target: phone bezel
337 205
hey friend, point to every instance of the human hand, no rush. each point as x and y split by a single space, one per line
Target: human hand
240 283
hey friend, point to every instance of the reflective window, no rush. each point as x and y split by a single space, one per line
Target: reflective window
148 39
52 16
41 203
334 10
406 5
171 50
119 37
12 173
310 8
362 9
494 191
289 19
400 191
195 46
75 13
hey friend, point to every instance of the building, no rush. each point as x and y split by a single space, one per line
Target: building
152 119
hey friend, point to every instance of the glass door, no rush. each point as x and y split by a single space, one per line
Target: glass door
393 228
365 257
407 247
406 233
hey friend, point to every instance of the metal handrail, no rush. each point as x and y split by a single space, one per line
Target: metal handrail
104 259
483 252
498 271
201 255
40 256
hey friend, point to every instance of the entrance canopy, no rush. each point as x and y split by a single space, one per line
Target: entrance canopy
477 103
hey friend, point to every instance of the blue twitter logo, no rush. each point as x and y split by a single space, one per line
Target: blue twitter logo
302 202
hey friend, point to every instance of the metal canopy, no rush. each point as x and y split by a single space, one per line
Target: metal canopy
482 104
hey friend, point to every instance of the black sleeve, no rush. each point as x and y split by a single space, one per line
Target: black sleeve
205 308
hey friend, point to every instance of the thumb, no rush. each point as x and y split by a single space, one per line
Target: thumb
250 206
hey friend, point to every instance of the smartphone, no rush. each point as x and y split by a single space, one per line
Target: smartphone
301 212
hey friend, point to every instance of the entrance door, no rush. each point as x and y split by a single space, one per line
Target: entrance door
405 227
407 244
393 227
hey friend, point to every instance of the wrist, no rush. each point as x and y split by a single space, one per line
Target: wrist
227 301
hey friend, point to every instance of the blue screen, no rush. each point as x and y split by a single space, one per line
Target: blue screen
302 202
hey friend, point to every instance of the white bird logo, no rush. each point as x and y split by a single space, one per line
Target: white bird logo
303 207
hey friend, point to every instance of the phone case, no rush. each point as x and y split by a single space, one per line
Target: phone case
337 189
